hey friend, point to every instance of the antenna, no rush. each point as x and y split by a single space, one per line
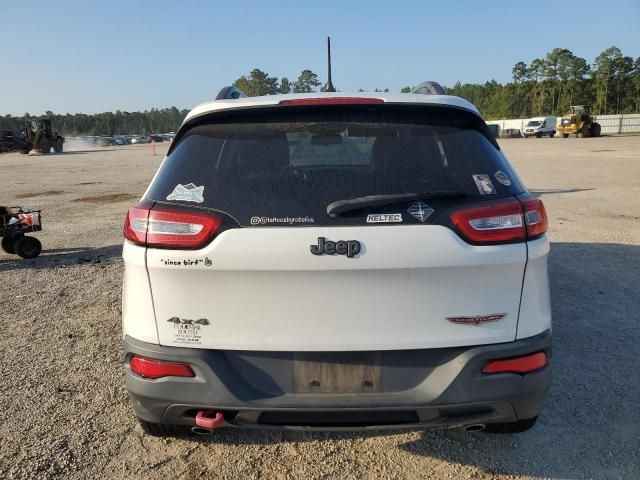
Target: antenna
329 86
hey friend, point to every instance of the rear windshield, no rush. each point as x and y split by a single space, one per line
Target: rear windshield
284 166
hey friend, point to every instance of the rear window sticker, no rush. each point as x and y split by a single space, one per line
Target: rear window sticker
187 193
264 220
502 178
483 182
384 218
420 210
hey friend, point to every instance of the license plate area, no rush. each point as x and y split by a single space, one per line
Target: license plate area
337 372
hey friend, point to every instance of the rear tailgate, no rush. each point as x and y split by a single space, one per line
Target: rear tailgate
264 290
270 174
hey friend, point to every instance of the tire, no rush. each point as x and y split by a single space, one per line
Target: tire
584 133
565 135
552 134
28 247
9 243
518 426
595 130
57 147
162 430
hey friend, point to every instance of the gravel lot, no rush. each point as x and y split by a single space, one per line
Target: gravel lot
65 412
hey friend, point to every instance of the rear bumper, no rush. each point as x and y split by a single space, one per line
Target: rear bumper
431 388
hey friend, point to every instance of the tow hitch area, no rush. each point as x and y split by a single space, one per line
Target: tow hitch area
207 421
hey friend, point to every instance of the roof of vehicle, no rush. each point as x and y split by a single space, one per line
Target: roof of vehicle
406 98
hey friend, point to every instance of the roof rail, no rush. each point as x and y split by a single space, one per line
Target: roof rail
429 88
230 93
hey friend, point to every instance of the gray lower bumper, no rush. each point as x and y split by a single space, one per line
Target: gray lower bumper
431 388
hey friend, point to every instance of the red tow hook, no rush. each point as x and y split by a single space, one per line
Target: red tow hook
204 419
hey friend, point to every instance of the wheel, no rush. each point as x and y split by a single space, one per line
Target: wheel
162 430
518 426
9 243
552 134
57 147
584 133
595 130
565 135
28 247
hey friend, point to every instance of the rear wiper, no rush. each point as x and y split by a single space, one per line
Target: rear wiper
341 206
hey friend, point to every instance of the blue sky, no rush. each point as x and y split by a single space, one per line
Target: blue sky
102 56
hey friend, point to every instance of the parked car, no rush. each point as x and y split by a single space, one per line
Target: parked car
334 260
141 139
540 127
511 133
14 140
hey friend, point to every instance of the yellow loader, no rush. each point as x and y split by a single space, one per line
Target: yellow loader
578 122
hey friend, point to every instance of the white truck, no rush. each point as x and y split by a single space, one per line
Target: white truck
539 127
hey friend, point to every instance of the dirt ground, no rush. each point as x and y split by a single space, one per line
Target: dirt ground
65 411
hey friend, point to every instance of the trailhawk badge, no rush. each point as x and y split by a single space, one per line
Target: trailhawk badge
187 193
477 319
420 210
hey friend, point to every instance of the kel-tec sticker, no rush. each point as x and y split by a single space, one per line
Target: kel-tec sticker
483 182
420 210
502 178
384 218
187 193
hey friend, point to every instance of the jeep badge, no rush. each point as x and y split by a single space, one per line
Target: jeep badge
350 248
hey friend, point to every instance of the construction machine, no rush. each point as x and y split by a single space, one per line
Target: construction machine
42 137
579 122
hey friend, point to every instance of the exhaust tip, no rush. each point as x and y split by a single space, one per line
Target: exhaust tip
205 432
474 428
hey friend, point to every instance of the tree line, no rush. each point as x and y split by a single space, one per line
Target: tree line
108 123
545 86
549 85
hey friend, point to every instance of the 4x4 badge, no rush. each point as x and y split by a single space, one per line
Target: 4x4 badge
188 321
420 210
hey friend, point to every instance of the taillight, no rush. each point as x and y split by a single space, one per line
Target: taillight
163 227
522 365
330 101
535 217
135 224
151 368
493 222
502 221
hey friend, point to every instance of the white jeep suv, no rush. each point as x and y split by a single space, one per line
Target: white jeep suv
332 261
